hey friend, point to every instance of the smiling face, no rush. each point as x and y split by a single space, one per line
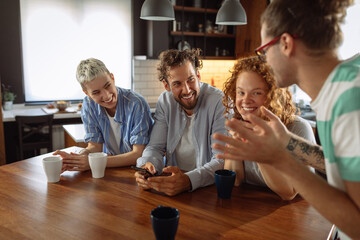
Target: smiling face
251 93
184 83
103 91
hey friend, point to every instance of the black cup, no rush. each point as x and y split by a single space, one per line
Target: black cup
164 221
224 180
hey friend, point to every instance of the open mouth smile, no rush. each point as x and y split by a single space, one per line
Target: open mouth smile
249 109
188 96
107 101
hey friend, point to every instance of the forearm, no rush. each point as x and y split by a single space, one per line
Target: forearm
277 182
91 148
238 168
125 159
204 175
306 152
334 204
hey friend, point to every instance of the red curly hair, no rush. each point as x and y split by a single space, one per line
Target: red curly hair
278 100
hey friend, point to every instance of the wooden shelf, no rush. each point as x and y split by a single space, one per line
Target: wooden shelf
192 17
220 35
194 9
201 34
218 58
179 33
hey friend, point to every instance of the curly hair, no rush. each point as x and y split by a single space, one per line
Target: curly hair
298 18
174 58
278 100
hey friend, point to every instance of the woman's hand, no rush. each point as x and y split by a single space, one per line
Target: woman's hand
73 161
261 141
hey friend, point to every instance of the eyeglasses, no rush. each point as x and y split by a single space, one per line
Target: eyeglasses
260 51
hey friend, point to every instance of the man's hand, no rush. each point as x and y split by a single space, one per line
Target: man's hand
141 178
262 141
170 185
73 161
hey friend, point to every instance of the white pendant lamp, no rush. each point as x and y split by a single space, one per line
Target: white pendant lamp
231 13
157 10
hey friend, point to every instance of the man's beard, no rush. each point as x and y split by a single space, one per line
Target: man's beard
186 106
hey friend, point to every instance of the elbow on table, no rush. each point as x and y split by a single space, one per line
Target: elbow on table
287 195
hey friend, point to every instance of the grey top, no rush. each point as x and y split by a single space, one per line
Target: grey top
300 127
170 122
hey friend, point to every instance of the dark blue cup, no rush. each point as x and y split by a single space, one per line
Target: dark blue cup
164 221
224 180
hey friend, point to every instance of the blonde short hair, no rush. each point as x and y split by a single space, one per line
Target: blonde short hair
90 69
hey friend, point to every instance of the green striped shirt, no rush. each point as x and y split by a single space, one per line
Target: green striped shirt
337 110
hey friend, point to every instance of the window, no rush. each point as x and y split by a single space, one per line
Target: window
351 31
349 47
58 34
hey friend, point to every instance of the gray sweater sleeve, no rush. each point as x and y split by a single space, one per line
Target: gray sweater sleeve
302 128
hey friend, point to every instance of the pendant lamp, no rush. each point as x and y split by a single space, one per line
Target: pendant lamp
231 13
157 10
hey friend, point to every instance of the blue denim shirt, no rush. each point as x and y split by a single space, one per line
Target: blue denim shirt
132 112
170 122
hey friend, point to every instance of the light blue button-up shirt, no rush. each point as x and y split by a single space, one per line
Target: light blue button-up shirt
170 122
132 112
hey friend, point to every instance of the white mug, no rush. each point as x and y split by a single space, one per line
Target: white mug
97 162
52 168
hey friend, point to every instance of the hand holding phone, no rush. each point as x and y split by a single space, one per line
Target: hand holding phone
145 172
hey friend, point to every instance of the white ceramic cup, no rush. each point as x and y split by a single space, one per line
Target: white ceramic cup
52 168
97 162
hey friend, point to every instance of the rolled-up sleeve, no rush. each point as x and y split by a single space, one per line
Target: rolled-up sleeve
91 126
142 124
155 150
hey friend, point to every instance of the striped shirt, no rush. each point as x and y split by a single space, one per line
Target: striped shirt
337 110
132 113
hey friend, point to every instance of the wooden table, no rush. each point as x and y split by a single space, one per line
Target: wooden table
113 207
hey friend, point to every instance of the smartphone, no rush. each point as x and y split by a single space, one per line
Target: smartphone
149 174
145 171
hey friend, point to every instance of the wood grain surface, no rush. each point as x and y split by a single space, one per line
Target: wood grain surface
113 207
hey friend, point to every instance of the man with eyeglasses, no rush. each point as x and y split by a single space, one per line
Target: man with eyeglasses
301 40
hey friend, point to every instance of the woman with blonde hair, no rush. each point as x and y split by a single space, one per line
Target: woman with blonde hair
251 86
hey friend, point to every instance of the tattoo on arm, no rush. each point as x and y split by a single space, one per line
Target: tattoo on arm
308 154
292 144
305 148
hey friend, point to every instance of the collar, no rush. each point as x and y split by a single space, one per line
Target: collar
118 117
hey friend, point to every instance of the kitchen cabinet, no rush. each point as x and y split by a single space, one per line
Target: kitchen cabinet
2 139
237 41
248 36
194 27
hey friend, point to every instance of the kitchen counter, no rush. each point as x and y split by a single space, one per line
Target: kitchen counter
11 130
76 131
74 135
21 109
